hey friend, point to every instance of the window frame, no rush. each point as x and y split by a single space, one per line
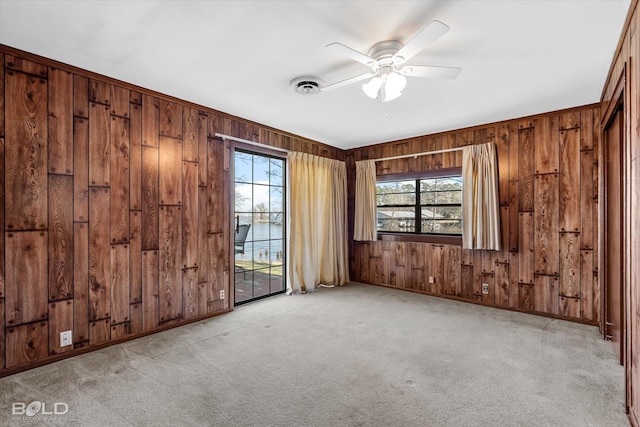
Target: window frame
450 239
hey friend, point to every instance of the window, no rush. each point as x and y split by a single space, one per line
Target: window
430 205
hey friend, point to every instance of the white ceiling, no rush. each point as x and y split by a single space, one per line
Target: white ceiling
518 57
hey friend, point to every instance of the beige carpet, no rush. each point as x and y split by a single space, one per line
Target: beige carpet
353 356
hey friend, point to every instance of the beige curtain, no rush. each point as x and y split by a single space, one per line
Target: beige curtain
365 223
317 222
480 206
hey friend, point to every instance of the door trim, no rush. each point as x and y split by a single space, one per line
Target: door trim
618 104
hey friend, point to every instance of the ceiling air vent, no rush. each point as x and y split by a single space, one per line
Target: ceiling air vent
305 85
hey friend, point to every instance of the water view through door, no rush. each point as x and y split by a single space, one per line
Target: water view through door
259 234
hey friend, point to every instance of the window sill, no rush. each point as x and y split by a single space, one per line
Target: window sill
420 238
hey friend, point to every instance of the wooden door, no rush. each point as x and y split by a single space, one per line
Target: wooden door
614 220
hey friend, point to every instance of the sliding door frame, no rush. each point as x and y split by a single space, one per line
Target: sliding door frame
257 149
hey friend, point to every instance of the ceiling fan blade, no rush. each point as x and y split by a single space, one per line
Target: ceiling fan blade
346 82
352 53
431 72
429 34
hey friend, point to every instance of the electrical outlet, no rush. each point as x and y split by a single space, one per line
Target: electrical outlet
65 338
485 288
432 280
221 293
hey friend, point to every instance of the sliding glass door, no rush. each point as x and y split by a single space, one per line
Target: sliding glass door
259 233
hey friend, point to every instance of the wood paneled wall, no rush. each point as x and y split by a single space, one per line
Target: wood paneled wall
548 185
115 209
625 70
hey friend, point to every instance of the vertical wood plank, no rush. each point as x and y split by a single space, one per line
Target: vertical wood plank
190 293
503 254
170 281
60 320
546 144
215 277
203 123
120 99
2 134
80 169
466 280
586 129
570 120
502 146
150 239
215 191
451 267
501 283
99 331
170 171
80 282
25 165
150 280
437 269
526 254
546 294
488 261
546 224
26 343
119 283
570 307
60 121
120 330
135 158
202 235
587 307
2 202
477 274
99 254
60 247
587 212
514 217
2 325
150 120
119 180
514 273
170 119
570 180
191 125
135 97
135 325
99 145
80 96
203 296
386 267
525 296
135 258
99 92
514 155
570 264
26 280
526 162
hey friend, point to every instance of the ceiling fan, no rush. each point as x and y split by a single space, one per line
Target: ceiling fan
386 59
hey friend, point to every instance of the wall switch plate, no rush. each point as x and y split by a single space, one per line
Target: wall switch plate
65 338
485 288
221 293
431 280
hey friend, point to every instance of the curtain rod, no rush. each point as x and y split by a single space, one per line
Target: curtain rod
246 141
425 153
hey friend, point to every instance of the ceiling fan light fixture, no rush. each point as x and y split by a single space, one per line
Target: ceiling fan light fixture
396 82
372 87
391 95
387 87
